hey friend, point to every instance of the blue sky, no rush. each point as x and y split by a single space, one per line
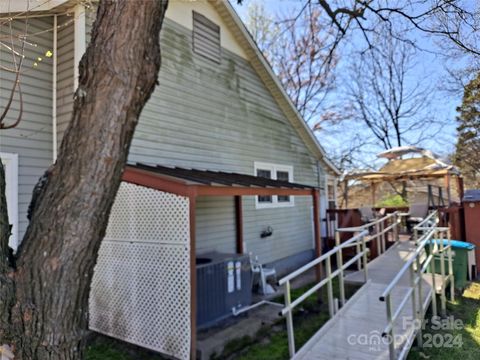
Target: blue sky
428 66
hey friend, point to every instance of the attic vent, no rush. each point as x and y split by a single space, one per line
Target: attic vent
206 37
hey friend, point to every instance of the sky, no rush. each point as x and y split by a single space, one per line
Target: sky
428 66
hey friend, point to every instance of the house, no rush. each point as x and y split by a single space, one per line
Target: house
219 110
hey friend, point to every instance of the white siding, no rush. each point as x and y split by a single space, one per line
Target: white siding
32 139
221 117
64 75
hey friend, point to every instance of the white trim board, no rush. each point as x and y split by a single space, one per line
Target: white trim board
10 161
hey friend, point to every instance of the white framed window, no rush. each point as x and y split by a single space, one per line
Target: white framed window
275 172
10 163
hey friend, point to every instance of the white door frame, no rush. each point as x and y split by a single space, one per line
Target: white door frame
10 162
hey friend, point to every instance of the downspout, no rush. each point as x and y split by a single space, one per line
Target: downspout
319 185
54 89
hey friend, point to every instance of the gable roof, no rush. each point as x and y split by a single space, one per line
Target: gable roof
271 81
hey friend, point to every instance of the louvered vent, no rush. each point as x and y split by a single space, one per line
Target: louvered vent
206 37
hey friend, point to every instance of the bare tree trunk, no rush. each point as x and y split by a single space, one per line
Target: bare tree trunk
55 263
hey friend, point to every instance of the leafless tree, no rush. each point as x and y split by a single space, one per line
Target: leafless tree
15 44
455 20
298 51
392 107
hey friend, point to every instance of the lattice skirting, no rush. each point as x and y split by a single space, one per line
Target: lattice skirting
140 291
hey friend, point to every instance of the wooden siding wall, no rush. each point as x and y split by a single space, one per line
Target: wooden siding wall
221 117
65 47
32 139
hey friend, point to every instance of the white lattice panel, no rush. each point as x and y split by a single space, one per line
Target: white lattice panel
146 214
140 291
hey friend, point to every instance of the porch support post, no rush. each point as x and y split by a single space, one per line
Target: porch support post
374 195
239 224
345 191
460 187
317 230
447 186
193 280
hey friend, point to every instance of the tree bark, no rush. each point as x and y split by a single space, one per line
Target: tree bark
7 289
55 262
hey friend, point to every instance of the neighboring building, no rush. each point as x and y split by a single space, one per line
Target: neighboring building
218 107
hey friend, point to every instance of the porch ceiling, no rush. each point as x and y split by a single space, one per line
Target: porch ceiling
194 182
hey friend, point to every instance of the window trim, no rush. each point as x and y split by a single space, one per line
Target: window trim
273 168
10 163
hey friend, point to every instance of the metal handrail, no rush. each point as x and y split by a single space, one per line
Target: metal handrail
362 256
414 291
380 229
320 259
359 241
407 265
430 217
370 224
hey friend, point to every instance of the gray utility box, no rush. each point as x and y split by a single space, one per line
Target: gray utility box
224 282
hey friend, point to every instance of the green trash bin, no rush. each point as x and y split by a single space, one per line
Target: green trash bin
460 250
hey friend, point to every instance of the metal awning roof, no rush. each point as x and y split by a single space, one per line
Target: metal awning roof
197 182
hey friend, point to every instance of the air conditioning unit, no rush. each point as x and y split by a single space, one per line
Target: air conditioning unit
224 282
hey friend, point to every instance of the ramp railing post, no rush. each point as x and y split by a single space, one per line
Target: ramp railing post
382 228
359 261
365 258
415 313
443 298
377 239
341 282
421 310
395 227
432 270
391 340
450 267
290 333
330 288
